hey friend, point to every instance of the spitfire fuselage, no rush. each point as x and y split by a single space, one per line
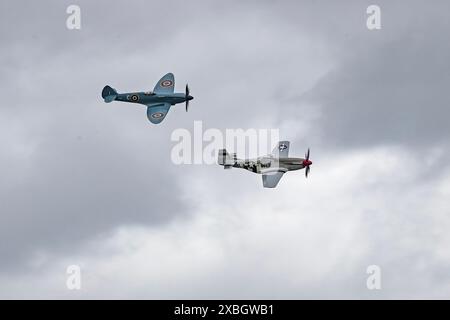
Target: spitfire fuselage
147 98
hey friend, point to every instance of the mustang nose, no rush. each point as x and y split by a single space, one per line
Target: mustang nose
307 162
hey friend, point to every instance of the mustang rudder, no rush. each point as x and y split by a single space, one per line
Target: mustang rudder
225 160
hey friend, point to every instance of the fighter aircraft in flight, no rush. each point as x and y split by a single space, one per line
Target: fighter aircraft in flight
272 166
158 101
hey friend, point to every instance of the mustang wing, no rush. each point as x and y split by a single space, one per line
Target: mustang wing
166 84
271 180
281 150
157 112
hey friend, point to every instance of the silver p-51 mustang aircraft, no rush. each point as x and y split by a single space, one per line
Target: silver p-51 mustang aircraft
272 166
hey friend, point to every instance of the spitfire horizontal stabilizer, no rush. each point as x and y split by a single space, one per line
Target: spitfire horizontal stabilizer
109 94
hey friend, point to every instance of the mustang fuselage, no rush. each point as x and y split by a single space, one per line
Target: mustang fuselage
269 163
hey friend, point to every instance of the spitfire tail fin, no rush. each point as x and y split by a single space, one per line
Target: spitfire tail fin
225 160
109 94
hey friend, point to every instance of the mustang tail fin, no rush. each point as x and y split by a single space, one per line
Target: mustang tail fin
109 94
225 160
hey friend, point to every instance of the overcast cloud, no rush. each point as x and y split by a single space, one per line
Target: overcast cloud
93 184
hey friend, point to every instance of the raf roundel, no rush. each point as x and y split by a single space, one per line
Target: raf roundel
134 97
157 115
166 83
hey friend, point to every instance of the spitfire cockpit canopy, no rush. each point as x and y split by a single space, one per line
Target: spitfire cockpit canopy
149 93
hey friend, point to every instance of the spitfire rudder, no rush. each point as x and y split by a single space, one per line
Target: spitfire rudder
109 94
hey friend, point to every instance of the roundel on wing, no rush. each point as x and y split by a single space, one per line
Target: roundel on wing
166 83
157 115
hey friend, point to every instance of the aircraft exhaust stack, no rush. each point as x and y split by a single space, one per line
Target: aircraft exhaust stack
109 94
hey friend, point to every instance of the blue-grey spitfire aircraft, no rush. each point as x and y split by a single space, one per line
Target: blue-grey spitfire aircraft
272 166
158 101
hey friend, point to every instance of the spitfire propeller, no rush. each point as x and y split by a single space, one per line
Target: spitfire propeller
307 163
187 97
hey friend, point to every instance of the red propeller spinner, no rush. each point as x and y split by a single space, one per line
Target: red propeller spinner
307 163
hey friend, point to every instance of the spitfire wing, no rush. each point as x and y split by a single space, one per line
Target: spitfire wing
157 112
281 150
166 84
271 180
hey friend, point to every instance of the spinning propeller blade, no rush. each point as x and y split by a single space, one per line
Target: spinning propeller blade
187 97
307 163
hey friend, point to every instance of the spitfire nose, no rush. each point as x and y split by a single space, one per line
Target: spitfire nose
190 97
307 162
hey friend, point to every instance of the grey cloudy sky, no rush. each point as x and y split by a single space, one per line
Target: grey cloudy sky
93 184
